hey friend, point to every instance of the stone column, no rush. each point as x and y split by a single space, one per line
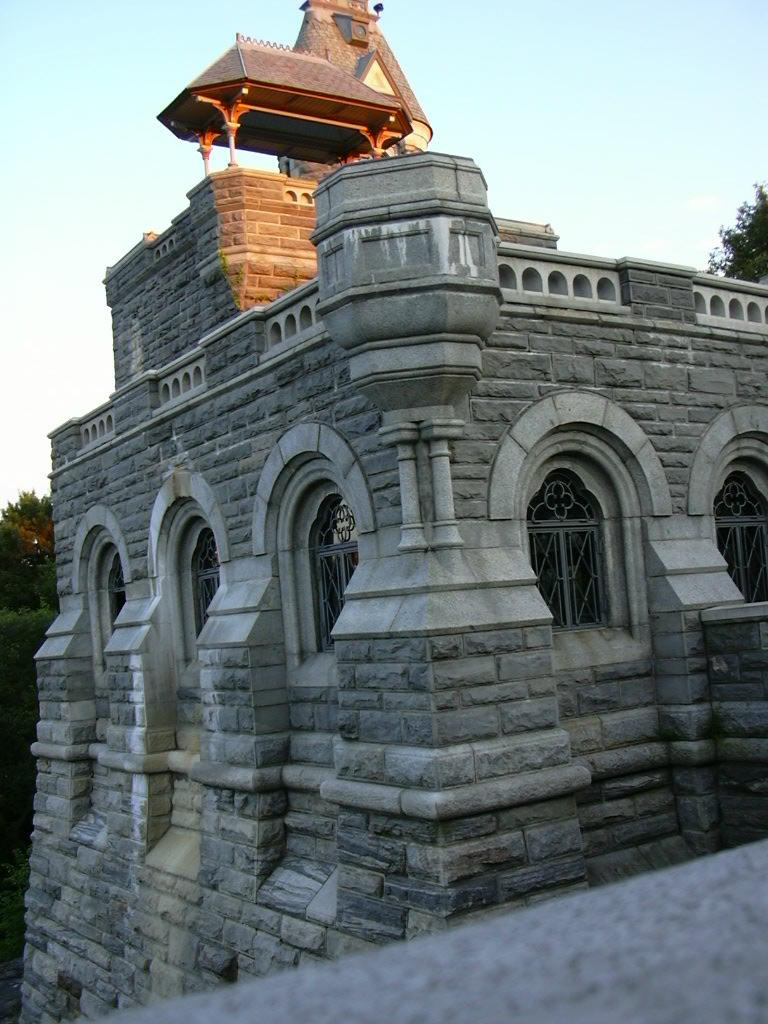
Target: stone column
67 725
244 744
686 575
453 778
437 433
737 658
405 436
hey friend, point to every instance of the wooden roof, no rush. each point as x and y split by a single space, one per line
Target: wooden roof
287 104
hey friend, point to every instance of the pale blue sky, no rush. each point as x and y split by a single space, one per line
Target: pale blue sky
634 128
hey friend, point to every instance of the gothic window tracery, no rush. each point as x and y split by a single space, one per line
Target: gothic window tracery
564 535
115 588
205 575
741 521
335 556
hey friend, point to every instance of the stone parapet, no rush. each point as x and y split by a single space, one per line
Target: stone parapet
657 291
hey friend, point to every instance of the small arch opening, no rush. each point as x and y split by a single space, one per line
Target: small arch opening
735 310
307 199
532 280
110 425
175 388
86 436
699 303
582 287
507 277
165 393
305 318
186 381
557 283
753 313
102 428
716 306
290 325
275 334
606 290
291 196
197 377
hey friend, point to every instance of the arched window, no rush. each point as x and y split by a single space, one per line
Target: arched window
334 549
564 534
106 587
741 519
115 588
205 575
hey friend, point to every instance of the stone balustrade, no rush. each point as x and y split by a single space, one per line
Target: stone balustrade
163 244
299 194
560 278
292 317
97 426
182 380
726 302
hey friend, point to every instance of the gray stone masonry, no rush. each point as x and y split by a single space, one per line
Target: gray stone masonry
737 655
651 949
220 800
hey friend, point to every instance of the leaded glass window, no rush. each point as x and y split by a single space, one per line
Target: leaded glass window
564 535
115 588
205 575
334 543
741 520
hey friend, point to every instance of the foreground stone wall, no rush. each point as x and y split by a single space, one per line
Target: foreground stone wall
220 802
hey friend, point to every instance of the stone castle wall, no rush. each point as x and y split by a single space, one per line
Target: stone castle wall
222 806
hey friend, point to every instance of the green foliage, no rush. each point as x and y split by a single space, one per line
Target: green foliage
27 570
21 634
743 249
14 877
27 606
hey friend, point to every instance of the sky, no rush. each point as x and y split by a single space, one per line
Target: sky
635 128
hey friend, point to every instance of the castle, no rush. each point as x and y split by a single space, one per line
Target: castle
414 568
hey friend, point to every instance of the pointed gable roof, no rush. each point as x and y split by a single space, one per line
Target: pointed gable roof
271 64
320 35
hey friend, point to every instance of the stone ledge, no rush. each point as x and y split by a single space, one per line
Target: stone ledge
736 613
442 805
61 751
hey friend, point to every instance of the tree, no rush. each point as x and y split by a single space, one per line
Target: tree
27 571
743 249
21 634
27 605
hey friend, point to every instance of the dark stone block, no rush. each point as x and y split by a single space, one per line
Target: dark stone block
544 876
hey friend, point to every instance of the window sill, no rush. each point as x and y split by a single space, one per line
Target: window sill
588 648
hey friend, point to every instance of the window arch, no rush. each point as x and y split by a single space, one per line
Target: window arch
194 566
333 542
564 531
105 596
741 521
